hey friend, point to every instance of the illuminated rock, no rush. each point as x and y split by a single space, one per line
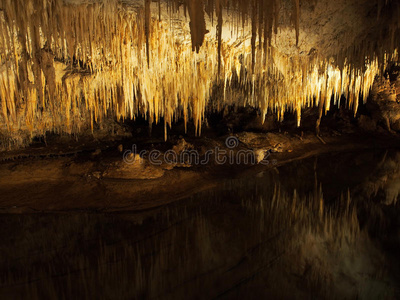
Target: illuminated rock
65 65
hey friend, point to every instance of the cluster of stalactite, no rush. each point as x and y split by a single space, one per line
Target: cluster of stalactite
63 65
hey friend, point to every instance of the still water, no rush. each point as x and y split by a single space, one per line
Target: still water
322 228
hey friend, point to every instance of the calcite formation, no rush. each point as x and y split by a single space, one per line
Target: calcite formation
68 64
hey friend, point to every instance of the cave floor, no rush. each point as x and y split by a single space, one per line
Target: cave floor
48 179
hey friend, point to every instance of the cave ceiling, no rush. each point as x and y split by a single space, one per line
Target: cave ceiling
67 65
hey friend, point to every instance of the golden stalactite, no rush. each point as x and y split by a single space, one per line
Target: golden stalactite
64 64
296 17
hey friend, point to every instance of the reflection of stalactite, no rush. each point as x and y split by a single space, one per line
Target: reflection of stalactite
307 213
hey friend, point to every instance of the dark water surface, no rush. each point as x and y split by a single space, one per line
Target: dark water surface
320 228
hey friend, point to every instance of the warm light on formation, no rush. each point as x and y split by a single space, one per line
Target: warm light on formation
206 149
64 65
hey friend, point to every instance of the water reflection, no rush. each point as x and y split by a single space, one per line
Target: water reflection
324 227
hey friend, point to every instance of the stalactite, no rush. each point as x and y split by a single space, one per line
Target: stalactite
253 34
219 34
63 65
147 28
296 8
197 23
